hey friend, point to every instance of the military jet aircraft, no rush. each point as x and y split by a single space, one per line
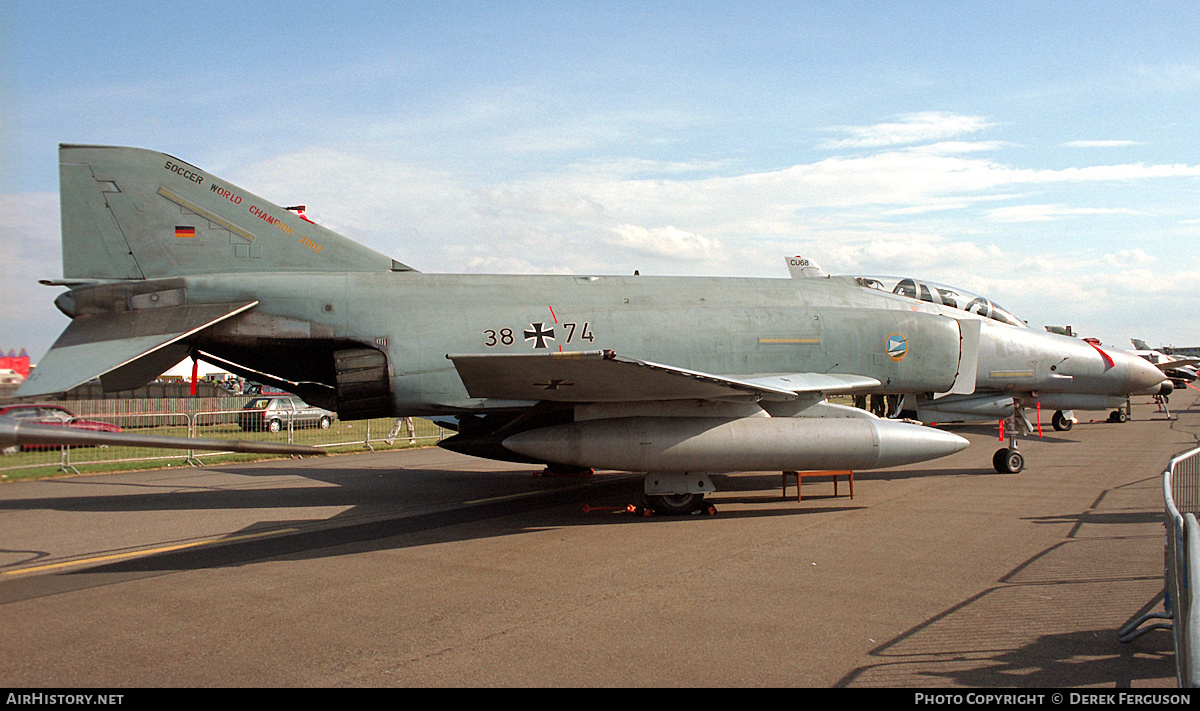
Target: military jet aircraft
676 377
1015 367
1180 370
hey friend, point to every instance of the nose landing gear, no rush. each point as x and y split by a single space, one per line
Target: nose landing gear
1009 460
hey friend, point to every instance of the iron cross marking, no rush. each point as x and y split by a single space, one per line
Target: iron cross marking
554 384
536 331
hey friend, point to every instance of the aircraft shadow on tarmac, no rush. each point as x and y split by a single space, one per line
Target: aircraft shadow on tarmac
953 648
385 516
1076 659
387 506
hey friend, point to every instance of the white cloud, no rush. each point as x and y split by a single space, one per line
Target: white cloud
1169 78
1101 144
1046 213
1128 257
910 128
663 242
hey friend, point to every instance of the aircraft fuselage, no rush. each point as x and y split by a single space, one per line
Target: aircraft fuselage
721 325
729 326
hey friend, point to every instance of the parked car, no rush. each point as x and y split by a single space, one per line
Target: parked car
53 415
274 413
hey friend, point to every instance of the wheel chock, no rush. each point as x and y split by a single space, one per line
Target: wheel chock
645 511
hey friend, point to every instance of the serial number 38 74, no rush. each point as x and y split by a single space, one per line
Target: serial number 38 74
539 335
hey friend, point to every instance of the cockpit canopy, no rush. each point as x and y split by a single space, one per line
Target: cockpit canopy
950 296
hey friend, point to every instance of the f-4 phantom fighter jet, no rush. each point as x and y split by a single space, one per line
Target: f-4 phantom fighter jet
1013 367
1181 371
675 377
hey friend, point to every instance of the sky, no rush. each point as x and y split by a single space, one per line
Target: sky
1043 154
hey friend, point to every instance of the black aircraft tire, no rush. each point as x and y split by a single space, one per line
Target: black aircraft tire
1014 461
1061 423
675 504
1008 461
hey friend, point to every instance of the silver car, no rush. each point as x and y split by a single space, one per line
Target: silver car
274 413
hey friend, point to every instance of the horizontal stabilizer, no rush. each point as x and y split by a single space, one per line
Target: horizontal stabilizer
601 376
126 349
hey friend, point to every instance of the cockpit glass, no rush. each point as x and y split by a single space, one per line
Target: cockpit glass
952 297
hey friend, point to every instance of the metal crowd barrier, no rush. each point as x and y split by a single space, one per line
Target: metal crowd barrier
214 424
1181 492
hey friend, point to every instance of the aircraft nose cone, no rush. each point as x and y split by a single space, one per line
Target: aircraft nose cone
1143 375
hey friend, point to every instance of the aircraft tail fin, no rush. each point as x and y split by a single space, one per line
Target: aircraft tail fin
801 268
130 213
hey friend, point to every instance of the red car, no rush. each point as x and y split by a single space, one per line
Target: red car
53 415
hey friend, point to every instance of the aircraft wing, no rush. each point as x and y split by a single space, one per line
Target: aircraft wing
602 376
124 348
1180 363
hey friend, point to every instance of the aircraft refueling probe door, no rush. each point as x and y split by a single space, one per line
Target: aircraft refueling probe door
968 357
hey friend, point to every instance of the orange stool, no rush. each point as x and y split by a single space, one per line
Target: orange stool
800 478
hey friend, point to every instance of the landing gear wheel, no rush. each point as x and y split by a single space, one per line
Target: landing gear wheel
1061 422
675 504
1118 416
1008 461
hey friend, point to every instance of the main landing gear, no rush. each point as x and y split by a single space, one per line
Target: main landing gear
676 504
677 494
1121 414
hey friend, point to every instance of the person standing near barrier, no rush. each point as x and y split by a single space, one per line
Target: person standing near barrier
405 422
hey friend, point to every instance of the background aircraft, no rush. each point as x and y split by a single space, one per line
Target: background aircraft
1180 370
676 377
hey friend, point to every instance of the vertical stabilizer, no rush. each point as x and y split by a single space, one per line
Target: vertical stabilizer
130 213
801 268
